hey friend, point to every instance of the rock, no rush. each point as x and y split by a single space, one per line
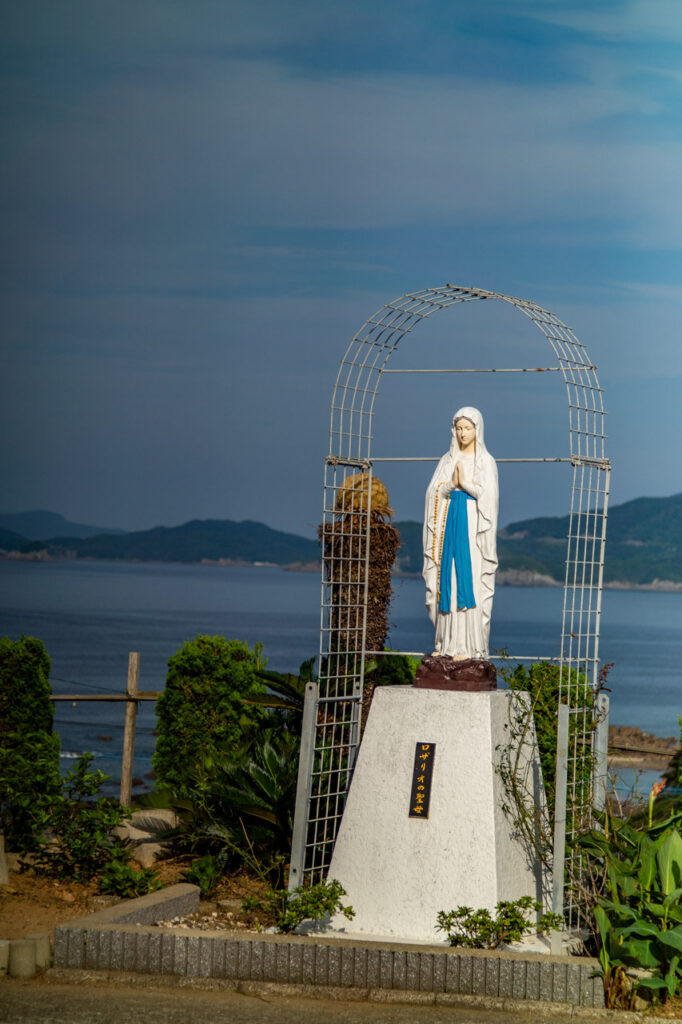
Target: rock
146 853
234 905
153 819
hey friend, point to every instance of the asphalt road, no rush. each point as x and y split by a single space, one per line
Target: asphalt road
41 1001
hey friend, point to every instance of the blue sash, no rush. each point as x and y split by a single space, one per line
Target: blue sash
456 549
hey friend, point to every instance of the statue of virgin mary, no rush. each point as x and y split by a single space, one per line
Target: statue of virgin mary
460 541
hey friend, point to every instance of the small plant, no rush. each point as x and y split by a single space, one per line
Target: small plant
120 879
207 872
478 929
77 837
290 909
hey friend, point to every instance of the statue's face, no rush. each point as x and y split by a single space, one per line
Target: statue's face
465 432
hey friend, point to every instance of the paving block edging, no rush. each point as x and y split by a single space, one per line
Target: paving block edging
121 938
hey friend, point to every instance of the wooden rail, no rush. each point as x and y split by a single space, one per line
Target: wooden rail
131 697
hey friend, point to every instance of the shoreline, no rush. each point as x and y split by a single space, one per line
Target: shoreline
631 747
505 577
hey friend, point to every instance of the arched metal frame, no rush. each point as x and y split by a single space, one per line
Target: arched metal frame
331 724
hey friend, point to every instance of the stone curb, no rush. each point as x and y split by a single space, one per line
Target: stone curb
120 939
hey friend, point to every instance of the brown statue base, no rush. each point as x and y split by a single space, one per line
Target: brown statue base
471 676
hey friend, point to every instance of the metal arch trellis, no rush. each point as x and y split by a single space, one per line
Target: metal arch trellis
331 725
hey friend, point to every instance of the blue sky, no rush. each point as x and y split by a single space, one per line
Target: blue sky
201 204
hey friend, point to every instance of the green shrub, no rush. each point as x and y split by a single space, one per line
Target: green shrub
542 683
77 832
478 929
203 709
305 903
241 810
207 872
396 669
120 879
29 749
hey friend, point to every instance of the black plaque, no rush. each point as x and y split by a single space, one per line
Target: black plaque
421 780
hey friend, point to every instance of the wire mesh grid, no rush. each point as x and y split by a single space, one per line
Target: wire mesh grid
331 737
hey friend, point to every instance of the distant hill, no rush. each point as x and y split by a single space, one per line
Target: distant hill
11 541
39 524
643 543
196 541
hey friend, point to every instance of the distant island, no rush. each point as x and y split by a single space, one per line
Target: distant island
644 545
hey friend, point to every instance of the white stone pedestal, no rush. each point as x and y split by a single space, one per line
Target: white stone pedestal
399 871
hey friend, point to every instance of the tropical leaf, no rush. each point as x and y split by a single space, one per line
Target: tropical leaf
672 978
603 924
641 952
669 858
673 897
647 865
672 938
641 927
655 983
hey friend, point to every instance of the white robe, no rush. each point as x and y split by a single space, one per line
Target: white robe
463 633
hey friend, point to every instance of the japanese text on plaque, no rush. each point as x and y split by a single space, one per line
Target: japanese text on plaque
421 780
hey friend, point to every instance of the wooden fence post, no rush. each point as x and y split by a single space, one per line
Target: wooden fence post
129 728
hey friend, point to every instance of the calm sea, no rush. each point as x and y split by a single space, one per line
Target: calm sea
90 615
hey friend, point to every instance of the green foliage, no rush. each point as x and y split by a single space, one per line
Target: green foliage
120 879
286 691
395 669
207 872
29 749
203 709
259 790
638 913
242 808
290 909
77 837
541 681
478 929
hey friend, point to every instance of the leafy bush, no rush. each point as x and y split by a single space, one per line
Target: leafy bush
77 837
290 909
286 692
119 879
203 708
29 749
478 929
637 911
541 681
241 810
207 872
395 669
